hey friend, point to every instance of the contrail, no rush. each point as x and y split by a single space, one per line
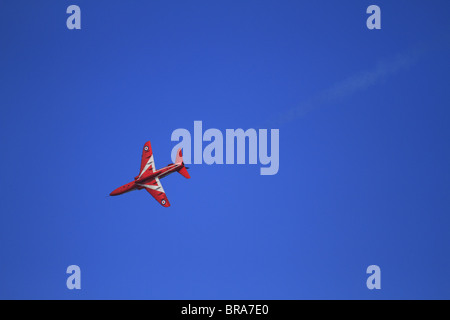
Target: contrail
353 84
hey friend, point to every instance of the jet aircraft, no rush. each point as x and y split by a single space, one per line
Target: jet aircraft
149 177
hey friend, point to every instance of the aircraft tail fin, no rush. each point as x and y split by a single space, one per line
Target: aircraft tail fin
179 160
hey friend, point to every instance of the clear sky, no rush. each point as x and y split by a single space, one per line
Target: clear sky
364 149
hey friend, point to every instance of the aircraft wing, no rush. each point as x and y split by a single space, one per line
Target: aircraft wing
147 161
155 188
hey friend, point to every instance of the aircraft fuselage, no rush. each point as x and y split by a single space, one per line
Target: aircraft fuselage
139 182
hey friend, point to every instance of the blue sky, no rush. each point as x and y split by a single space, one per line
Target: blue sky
364 129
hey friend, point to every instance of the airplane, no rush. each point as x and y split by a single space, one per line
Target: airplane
148 177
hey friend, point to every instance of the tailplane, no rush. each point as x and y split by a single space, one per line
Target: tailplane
184 172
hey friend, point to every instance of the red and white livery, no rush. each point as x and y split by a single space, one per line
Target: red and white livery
149 177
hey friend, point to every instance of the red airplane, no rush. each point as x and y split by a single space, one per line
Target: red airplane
148 177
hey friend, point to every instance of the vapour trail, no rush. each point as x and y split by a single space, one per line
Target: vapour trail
352 85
